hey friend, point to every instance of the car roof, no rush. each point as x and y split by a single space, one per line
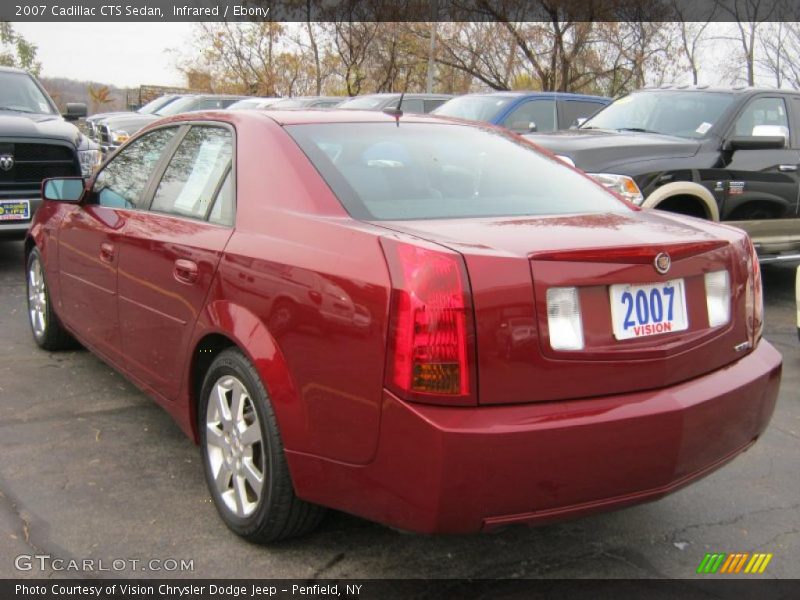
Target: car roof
742 89
12 70
398 94
537 94
301 116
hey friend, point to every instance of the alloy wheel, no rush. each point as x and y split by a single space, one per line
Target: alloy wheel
235 446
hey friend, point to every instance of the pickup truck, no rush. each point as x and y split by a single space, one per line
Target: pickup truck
727 155
36 142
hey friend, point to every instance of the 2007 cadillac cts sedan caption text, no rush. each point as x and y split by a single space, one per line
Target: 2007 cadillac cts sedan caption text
423 322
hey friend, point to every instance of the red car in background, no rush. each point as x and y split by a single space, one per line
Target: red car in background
330 304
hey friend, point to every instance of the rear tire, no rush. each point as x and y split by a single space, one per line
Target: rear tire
243 455
48 333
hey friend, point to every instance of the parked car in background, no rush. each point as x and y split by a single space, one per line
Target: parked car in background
253 103
150 108
524 112
639 366
721 154
36 141
308 102
114 131
412 103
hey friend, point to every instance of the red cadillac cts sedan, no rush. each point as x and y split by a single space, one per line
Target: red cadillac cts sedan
426 323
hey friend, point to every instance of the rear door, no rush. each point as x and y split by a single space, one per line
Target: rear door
169 254
88 240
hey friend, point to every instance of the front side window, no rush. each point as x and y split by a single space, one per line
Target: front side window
122 183
381 171
195 173
534 115
572 110
763 112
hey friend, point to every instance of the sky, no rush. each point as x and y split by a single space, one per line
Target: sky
121 54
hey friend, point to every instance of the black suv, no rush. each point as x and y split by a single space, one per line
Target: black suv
35 143
722 154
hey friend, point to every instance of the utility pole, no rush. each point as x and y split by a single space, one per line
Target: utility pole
432 45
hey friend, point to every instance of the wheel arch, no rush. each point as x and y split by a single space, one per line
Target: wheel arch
686 189
224 325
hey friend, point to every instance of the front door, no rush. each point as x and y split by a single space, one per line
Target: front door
88 242
168 256
761 184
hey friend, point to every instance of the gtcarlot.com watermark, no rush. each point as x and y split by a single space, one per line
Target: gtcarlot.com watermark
46 562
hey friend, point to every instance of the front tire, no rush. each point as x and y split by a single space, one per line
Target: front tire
243 455
48 333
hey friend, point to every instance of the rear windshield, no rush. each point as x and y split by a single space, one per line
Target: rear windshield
381 171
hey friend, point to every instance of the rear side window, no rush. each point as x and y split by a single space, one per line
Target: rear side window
121 184
381 171
195 173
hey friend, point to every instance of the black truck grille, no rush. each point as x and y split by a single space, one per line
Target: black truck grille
104 134
34 162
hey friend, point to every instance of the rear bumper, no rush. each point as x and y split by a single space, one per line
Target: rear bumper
461 470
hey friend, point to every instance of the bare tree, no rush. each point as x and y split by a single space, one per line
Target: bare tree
749 16
692 33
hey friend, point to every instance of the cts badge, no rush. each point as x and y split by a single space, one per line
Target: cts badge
662 262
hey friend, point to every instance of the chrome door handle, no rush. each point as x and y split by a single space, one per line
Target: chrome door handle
107 252
787 168
185 271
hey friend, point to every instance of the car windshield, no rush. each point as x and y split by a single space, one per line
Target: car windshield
19 93
382 171
682 114
178 106
364 102
474 108
154 105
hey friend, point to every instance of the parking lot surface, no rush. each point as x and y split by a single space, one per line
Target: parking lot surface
92 469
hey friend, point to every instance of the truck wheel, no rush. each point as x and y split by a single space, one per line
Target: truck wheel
243 455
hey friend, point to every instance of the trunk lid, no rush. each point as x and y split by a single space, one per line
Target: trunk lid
512 262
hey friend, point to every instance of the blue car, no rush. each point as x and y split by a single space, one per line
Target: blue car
525 112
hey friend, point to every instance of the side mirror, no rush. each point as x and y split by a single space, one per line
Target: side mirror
66 189
532 127
75 111
578 122
752 142
772 131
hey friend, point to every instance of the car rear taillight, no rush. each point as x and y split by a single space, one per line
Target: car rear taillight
431 353
754 301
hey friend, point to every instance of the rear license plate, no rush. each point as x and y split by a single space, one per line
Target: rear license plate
15 210
649 309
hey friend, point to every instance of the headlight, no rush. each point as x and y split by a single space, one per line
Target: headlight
621 184
90 160
118 137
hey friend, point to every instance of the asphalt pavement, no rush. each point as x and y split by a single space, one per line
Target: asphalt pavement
92 470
